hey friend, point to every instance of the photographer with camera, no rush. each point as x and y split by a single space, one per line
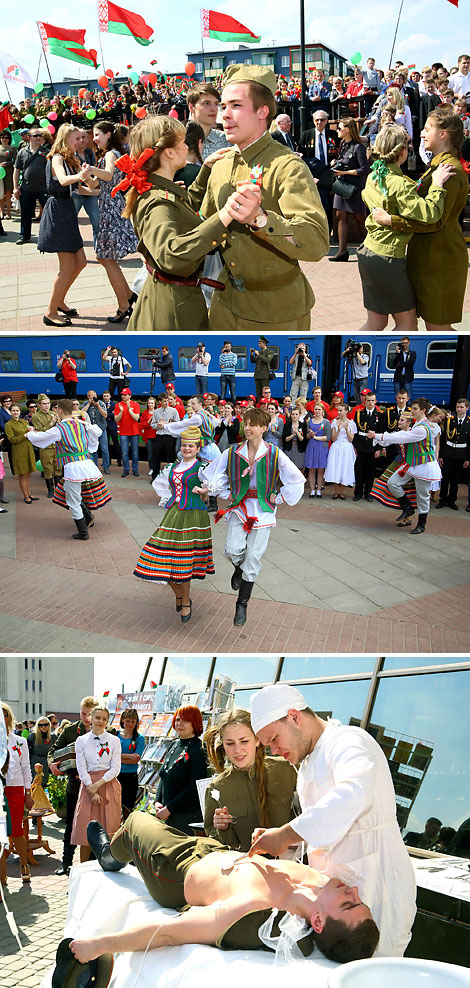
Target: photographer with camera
67 367
301 370
403 360
354 352
200 361
228 364
98 415
164 364
117 370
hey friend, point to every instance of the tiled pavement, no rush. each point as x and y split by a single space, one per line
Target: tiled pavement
40 911
26 278
334 578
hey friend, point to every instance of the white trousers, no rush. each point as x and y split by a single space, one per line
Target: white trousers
298 388
73 496
396 483
245 549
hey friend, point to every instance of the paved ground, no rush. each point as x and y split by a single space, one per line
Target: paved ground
40 911
335 578
26 278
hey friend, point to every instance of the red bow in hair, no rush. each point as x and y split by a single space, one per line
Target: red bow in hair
134 173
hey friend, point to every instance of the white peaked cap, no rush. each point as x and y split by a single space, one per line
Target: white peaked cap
273 702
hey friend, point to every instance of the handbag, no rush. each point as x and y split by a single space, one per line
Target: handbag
310 374
342 188
272 375
59 377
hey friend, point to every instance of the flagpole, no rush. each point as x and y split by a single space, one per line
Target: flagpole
99 34
395 35
8 91
45 59
39 66
202 46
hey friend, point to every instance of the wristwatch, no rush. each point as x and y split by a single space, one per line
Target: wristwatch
259 221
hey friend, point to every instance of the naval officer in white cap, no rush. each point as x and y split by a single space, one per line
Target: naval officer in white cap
348 816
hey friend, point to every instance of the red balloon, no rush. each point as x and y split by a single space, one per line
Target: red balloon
109 73
82 93
141 112
51 128
103 81
173 113
152 78
143 79
190 68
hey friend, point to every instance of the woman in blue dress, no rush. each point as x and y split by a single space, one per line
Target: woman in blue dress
316 454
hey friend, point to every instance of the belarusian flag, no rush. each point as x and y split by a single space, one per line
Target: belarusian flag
225 28
66 43
118 20
455 2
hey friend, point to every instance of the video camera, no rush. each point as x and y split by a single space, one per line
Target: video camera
153 354
351 349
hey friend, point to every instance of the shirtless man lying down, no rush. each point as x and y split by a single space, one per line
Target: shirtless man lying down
225 901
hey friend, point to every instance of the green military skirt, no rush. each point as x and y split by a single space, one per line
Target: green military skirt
386 287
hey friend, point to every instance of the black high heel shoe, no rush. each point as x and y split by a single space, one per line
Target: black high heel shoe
187 617
50 322
71 313
133 299
179 605
120 315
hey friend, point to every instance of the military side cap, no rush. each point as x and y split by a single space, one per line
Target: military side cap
251 73
69 973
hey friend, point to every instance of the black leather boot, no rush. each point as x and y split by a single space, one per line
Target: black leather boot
89 518
99 842
244 595
212 505
237 577
406 508
50 487
420 526
82 531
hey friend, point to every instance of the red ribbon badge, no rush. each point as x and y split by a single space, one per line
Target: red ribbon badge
134 173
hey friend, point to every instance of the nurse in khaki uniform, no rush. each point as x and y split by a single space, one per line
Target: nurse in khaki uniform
41 421
264 285
173 237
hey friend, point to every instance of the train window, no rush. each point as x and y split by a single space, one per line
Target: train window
441 355
389 359
145 355
186 352
42 361
80 358
9 361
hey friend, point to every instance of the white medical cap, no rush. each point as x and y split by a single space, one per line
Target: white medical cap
273 702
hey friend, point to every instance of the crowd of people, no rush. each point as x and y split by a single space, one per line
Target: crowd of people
345 177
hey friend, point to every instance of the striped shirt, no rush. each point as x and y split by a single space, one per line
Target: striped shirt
228 363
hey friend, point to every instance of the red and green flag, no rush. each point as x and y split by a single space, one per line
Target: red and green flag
66 44
455 2
222 27
118 20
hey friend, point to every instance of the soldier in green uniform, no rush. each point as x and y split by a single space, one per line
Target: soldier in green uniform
264 284
42 420
262 359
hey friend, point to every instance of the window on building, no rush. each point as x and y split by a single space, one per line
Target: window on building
191 672
33 685
198 66
9 361
33 708
441 355
249 669
26 663
285 61
39 664
42 361
318 666
33 663
40 709
26 684
26 708
247 61
40 685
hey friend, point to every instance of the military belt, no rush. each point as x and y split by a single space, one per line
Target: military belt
267 285
173 279
457 445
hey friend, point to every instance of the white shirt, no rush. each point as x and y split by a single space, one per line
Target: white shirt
422 471
87 751
292 480
19 768
349 821
79 469
200 368
460 83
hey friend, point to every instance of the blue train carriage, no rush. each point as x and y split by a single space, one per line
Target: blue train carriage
30 363
433 369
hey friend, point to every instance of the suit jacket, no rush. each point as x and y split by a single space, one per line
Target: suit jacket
404 369
318 169
375 423
278 136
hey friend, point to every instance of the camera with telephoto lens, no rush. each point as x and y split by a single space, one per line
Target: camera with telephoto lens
351 349
153 354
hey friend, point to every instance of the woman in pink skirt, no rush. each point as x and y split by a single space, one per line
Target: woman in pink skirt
98 756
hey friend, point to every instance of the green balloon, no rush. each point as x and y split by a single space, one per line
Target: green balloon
15 139
29 119
44 122
39 87
134 77
2 172
90 114
356 59
39 465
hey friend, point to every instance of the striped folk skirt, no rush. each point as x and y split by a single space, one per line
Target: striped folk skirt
95 494
381 492
180 549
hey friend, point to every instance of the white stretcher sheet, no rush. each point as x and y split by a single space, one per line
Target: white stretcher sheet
102 902
451 876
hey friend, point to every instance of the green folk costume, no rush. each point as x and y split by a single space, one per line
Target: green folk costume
264 285
174 239
238 791
437 257
41 422
22 453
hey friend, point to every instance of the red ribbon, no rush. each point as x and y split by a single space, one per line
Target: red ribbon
134 173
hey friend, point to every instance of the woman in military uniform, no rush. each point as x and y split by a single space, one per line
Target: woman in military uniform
257 788
41 421
173 238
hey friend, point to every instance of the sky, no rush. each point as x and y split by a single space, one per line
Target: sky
430 30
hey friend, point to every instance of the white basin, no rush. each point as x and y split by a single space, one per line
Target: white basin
398 972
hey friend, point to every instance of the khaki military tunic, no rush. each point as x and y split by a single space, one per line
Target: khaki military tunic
175 239
264 285
238 791
41 422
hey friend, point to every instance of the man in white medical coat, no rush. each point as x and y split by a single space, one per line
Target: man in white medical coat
348 817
